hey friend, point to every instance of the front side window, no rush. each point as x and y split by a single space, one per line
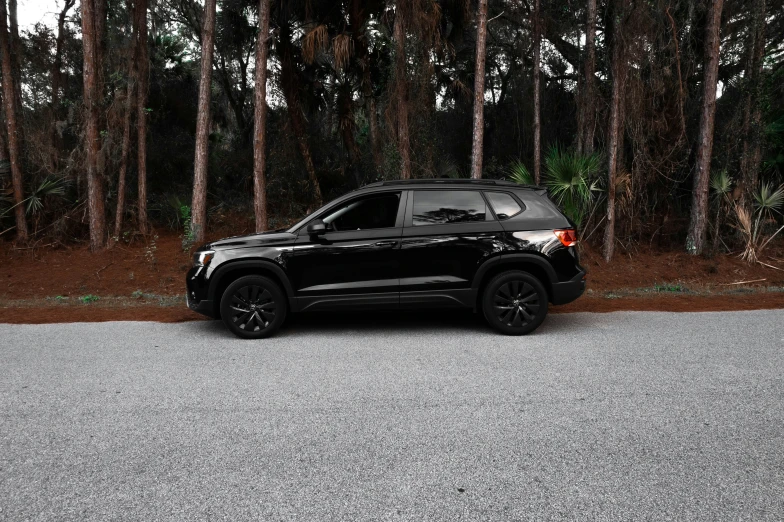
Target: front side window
378 211
433 207
503 204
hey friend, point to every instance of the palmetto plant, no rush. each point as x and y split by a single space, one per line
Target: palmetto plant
570 178
519 173
572 181
767 203
34 203
721 185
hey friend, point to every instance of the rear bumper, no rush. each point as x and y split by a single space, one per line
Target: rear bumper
568 291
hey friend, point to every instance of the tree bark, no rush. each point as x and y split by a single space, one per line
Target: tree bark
57 83
537 95
260 120
130 104
290 85
479 90
752 113
12 124
695 241
588 101
199 204
143 65
95 203
614 138
16 65
401 93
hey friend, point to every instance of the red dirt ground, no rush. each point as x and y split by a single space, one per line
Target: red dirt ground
157 268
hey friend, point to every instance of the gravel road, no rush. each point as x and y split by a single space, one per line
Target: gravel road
621 416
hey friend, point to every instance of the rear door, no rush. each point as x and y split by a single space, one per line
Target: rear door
447 234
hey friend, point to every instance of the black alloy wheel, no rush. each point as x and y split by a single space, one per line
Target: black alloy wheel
514 302
253 307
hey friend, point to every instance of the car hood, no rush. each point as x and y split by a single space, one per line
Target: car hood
261 239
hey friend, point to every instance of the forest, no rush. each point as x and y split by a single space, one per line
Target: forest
657 122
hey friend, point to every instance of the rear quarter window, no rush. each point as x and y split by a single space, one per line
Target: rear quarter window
504 205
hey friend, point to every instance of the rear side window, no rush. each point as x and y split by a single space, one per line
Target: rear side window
448 206
504 205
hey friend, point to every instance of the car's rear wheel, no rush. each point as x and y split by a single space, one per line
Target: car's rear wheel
253 307
514 302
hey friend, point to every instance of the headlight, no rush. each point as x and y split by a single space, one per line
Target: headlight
203 258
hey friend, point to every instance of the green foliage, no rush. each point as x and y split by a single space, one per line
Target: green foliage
767 203
665 287
720 183
519 173
570 178
89 298
51 186
767 200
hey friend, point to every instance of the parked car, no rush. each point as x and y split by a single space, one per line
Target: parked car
492 246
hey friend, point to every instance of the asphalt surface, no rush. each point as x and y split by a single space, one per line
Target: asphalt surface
621 416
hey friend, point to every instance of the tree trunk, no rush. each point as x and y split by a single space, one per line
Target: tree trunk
401 94
695 241
479 90
357 19
260 120
752 113
199 204
290 85
95 203
375 144
588 102
143 65
12 124
537 95
614 138
130 104
57 83
101 11
16 65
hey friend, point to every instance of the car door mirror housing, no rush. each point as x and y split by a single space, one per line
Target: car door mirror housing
317 227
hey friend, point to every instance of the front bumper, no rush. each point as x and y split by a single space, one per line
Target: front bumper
568 291
196 288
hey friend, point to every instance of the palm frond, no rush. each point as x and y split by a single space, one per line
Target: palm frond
721 182
49 187
519 173
768 200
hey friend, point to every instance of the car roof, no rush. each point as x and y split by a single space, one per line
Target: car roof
458 183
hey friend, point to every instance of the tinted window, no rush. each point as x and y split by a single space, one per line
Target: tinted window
379 211
448 206
503 204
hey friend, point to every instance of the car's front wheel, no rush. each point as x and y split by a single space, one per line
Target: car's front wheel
253 307
514 302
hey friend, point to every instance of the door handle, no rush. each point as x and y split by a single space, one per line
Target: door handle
385 243
486 237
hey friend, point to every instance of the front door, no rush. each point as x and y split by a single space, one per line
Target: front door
447 235
356 263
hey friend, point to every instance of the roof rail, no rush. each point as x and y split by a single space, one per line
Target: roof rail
450 181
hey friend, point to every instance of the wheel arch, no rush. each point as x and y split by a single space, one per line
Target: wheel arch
534 264
225 274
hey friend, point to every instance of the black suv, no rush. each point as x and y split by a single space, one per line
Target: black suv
494 246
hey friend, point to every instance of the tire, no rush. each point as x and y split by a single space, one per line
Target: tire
253 307
514 303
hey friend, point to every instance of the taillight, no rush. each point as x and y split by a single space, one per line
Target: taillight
567 237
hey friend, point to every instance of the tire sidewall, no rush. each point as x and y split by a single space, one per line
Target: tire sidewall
493 286
277 295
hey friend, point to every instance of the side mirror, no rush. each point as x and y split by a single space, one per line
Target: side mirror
317 227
